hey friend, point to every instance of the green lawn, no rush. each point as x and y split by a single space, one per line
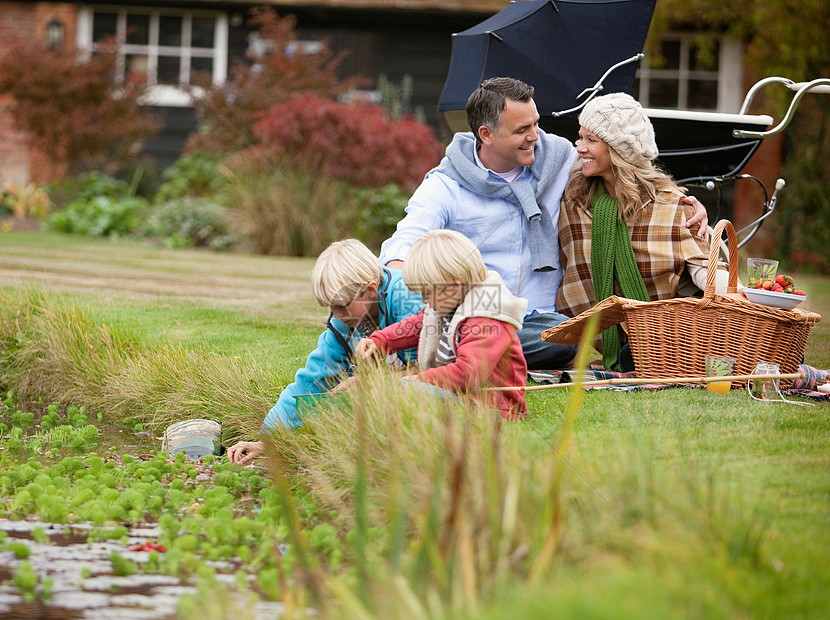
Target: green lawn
222 301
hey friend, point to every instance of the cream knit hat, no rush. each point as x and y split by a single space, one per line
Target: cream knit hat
622 123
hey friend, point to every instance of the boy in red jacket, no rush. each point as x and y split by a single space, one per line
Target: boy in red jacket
466 336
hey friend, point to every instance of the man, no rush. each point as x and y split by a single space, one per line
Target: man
501 186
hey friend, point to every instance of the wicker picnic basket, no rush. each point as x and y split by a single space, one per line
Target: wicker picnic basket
672 337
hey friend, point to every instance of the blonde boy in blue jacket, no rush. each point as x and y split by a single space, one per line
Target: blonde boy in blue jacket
363 297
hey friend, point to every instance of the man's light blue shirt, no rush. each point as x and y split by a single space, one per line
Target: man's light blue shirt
497 227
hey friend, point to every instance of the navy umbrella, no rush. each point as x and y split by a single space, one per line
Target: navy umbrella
560 47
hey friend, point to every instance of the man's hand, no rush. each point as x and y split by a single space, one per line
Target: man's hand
700 217
245 451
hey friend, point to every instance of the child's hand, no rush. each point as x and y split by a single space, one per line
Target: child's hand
245 451
345 384
366 348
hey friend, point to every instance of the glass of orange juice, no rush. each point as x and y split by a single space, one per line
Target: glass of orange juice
719 366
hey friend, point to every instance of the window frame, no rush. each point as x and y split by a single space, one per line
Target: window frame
162 94
728 75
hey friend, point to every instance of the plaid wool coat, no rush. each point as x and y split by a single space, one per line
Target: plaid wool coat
662 248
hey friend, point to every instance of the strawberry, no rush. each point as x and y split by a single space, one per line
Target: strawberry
780 280
766 285
777 288
798 292
148 546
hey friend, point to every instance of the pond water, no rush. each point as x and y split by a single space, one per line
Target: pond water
83 582
76 568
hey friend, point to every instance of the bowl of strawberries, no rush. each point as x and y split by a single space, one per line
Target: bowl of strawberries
778 293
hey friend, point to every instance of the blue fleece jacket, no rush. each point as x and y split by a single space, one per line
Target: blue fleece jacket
330 361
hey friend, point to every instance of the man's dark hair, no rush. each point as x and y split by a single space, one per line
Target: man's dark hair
485 105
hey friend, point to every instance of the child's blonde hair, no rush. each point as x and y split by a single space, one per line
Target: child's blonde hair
342 272
439 258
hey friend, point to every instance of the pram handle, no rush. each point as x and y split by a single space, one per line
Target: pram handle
819 85
598 87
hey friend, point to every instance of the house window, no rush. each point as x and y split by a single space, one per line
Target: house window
168 47
692 72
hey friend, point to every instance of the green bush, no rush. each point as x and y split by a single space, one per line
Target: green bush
86 187
377 212
187 222
800 231
193 174
102 216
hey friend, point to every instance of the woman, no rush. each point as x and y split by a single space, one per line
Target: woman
621 226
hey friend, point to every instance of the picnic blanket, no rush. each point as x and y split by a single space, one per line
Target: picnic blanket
805 388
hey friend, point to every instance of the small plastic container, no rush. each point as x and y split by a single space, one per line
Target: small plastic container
196 438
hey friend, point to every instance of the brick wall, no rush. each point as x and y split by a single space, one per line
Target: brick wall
14 151
17 19
26 20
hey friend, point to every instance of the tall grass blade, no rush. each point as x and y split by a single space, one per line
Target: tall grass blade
361 511
312 572
543 560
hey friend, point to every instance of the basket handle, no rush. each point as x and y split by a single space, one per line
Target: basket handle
712 266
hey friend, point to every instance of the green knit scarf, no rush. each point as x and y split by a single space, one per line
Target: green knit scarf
612 257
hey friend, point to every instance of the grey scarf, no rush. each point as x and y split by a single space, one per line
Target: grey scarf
552 158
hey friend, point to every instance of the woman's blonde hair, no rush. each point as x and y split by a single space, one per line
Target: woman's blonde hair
634 186
343 271
439 258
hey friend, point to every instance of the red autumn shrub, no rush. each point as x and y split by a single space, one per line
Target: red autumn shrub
267 76
71 109
356 143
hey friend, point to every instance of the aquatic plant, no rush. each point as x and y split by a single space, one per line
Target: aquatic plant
121 566
26 581
20 549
